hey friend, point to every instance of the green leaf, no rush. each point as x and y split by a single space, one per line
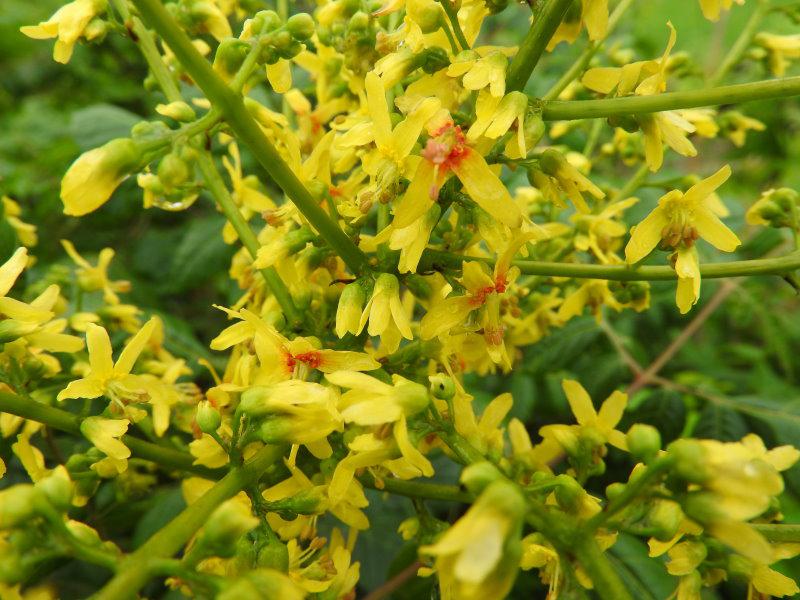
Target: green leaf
720 423
200 255
646 578
95 125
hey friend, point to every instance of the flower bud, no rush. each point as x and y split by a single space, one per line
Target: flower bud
18 504
173 170
644 441
274 555
230 521
93 177
433 59
442 386
689 460
57 487
301 26
348 313
569 493
533 128
477 476
665 517
425 13
207 417
180 111
229 57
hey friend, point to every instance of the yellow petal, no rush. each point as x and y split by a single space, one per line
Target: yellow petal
280 76
11 269
714 231
612 409
134 348
579 401
99 346
444 315
646 236
418 197
378 111
486 189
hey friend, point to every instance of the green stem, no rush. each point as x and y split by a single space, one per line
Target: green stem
634 490
739 268
452 16
147 46
605 579
232 107
66 421
633 184
739 47
579 66
220 193
417 489
555 110
534 44
135 571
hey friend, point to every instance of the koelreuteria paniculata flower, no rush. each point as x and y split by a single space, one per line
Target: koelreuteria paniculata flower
409 236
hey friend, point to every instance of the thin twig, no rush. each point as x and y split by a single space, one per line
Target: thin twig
393 584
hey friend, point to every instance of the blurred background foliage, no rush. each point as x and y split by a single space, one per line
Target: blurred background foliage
737 373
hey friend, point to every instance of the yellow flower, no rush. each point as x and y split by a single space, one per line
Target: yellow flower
485 67
25 231
600 233
284 358
593 293
447 151
68 24
369 401
386 314
713 8
349 309
781 49
478 557
495 116
105 434
558 173
597 426
411 240
678 221
735 126
93 177
106 377
96 278
297 412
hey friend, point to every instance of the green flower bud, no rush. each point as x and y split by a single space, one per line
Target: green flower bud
442 386
569 493
425 13
173 170
270 20
229 57
689 463
274 555
57 487
703 507
614 490
665 517
18 504
359 22
477 476
533 127
348 313
644 441
433 59
207 417
301 26
230 521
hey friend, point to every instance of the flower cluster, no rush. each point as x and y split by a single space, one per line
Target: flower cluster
410 233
